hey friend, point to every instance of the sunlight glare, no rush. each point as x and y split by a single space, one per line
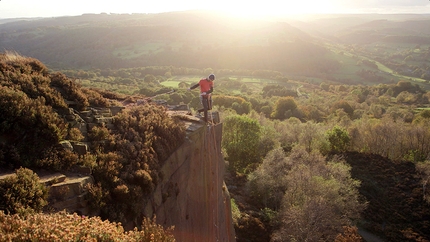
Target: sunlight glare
275 8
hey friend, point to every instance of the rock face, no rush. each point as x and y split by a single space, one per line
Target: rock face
192 196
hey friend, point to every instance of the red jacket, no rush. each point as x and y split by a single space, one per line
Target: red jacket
205 86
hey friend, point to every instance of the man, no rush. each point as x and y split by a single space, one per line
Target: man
206 88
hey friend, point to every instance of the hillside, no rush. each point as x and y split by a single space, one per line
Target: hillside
317 48
396 210
118 41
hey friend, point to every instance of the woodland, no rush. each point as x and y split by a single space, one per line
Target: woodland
325 133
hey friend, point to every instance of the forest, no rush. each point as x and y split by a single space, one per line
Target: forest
325 135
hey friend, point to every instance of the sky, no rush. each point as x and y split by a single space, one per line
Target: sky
54 8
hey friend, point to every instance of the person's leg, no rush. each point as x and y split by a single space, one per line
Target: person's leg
205 108
201 102
210 102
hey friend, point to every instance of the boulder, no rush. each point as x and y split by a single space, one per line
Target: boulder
66 145
80 148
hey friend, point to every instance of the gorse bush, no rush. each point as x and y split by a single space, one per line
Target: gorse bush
129 159
33 128
22 193
72 227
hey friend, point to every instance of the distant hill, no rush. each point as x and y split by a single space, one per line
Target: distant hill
324 47
383 30
190 39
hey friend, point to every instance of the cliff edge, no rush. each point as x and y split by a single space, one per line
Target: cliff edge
192 195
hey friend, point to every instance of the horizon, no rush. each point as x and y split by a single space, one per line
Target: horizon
269 8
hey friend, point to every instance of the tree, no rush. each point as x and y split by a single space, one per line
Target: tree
283 108
267 183
150 79
342 104
338 138
319 200
241 138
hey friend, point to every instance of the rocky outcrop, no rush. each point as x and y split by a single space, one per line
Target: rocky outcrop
68 192
192 196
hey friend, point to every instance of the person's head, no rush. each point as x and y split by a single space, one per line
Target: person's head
211 77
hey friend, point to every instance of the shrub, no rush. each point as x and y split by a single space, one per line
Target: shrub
22 193
129 159
33 128
75 134
338 138
69 90
350 234
72 227
235 212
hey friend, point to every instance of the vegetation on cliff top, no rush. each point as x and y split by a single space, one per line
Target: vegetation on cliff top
125 159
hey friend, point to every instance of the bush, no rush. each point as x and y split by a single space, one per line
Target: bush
235 212
72 227
339 139
130 157
33 128
22 193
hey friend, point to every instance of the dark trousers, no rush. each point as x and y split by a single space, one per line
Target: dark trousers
207 105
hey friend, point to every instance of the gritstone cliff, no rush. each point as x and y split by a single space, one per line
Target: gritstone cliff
192 196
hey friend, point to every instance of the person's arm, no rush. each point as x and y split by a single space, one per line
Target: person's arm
210 91
194 86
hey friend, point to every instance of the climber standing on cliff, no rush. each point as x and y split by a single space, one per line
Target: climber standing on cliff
206 88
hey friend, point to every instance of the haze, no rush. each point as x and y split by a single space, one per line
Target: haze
51 8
